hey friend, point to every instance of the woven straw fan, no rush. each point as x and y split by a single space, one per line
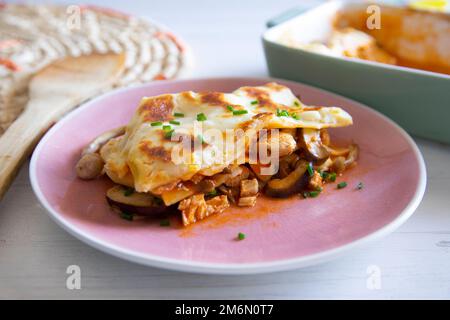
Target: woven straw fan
53 92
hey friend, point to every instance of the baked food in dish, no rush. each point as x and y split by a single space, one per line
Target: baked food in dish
200 153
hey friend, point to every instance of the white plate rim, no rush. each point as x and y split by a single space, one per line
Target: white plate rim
225 268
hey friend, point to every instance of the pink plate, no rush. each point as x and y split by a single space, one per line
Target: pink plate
280 234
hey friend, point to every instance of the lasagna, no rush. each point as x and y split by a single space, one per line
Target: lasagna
198 153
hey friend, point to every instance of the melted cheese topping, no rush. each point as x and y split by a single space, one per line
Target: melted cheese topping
143 157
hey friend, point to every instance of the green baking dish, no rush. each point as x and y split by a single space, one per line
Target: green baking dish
417 100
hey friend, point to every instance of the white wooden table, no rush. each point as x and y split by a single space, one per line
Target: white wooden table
413 262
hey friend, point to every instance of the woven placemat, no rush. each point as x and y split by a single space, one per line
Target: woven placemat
33 36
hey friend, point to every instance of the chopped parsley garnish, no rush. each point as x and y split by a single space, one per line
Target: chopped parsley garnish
282 113
167 128
128 192
295 116
178 115
230 108
201 117
342 185
310 169
126 216
156 124
164 223
239 112
241 236
174 122
359 186
254 102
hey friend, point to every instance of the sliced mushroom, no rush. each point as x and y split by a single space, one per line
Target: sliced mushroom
143 204
311 142
295 182
90 166
256 168
325 137
352 155
97 143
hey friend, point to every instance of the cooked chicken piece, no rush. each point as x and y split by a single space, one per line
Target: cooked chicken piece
195 208
217 204
247 201
237 174
315 182
249 188
286 144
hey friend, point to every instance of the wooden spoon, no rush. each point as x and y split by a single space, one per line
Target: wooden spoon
53 92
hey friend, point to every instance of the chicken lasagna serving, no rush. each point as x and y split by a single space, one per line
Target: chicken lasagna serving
197 154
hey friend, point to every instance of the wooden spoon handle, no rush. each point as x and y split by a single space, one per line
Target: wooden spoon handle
19 140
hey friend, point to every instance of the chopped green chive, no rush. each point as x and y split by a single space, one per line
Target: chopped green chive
239 112
241 236
128 192
342 185
156 124
314 194
311 194
359 186
201 117
295 116
254 102
164 223
297 104
126 216
310 169
332 176
178 115
168 134
168 131
230 108
174 122
282 113
212 193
